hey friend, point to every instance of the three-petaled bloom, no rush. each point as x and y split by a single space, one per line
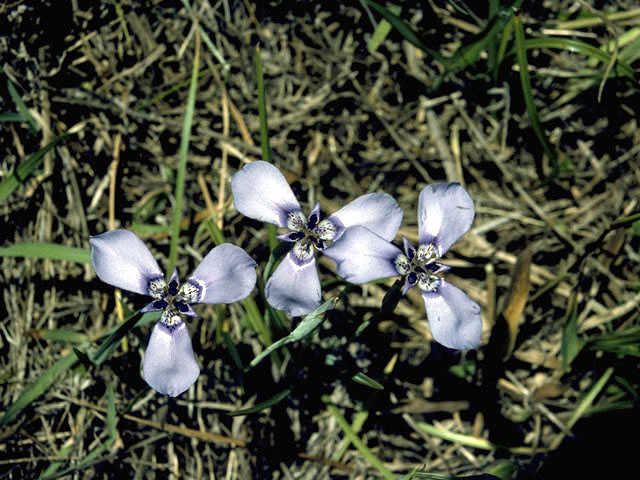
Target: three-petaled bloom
445 213
261 192
227 274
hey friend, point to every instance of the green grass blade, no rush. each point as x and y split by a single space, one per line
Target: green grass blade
382 30
10 117
256 321
214 232
571 344
502 48
525 81
182 159
306 326
264 134
54 466
367 381
262 405
50 251
60 335
22 107
355 440
587 401
576 46
207 40
111 415
262 110
474 442
407 32
26 168
492 46
624 342
94 455
469 53
113 340
40 386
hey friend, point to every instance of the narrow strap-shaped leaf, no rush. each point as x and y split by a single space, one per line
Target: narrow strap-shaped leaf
304 328
262 405
40 386
182 157
525 81
26 168
51 251
407 32
357 442
22 107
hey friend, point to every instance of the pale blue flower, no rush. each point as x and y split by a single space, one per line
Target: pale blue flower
261 192
227 274
445 213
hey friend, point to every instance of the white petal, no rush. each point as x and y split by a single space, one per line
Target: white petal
454 319
261 192
121 259
378 212
227 274
170 367
294 287
445 213
362 256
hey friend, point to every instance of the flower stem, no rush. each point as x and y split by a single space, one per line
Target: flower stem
184 150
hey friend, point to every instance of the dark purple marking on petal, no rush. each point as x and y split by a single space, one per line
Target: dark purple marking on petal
183 307
313 221
412 278
407 286
160 304
408 248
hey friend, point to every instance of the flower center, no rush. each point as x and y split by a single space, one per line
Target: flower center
418 267
309 234
173 299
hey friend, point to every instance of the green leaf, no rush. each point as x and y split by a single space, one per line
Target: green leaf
367 381
470 441
10 117
26 168
504 470
382 30
256 321
51 251
264 134
588 400
356 441
262 405
214 232
60 335
304 328
22 107
407 32
207 40
40 386
469 53
578 46
529 102
182 161
83 357
113 340
571 344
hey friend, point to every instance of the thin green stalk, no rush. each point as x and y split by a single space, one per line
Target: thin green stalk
525 81
355 440
182 157
264 134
